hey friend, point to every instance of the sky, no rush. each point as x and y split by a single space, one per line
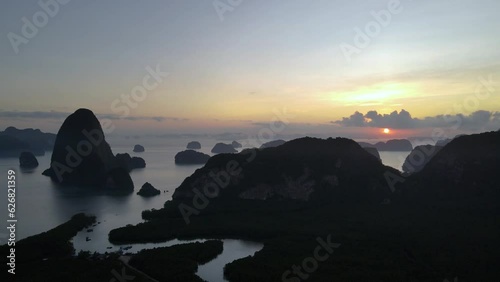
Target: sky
326 68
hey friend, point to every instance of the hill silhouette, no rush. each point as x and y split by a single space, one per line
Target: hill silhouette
38 141
302 169
466 166
395 145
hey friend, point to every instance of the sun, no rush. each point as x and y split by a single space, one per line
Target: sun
387 130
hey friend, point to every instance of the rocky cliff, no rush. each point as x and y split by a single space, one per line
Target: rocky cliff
82 157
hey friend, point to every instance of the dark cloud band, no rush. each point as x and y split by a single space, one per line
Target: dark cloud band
55 115
404 120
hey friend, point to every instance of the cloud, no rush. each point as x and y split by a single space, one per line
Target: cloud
404 120
33 115
274 124
137 118
357 120
56 115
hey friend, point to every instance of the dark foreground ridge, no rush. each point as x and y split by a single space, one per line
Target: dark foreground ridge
419 157
467 166
303 169
410 238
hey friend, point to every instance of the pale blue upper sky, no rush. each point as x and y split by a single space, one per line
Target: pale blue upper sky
263 55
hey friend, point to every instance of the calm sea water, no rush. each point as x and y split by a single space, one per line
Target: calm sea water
41 205
394 159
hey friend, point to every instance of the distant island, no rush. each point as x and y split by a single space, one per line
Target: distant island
191 157
272 144
125 160
37 139
13 147
236 144
222 148
395 145
193 145
148 190
14 141
139 148
27 160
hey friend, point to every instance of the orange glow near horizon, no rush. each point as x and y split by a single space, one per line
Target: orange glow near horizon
386 131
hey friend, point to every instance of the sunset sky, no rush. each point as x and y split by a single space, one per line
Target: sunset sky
232 68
